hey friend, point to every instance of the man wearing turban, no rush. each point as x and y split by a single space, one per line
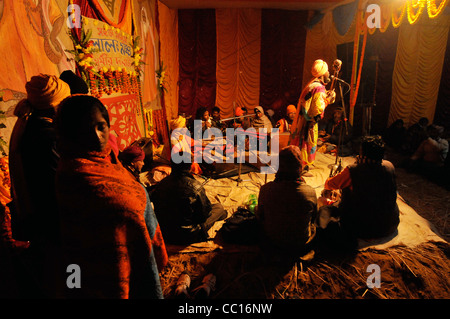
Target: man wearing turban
181 141
311 106
284 124
33 161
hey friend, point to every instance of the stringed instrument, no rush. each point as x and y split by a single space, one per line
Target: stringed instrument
336 69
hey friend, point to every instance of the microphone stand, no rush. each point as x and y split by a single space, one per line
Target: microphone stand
337 168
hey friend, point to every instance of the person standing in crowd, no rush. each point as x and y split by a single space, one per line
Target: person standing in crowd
33 158
368 206
120 249
311 106
184 211
287 208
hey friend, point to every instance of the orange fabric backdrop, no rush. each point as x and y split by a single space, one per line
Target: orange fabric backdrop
238 59
168 34
28 33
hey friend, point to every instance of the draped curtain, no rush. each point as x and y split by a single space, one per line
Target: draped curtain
386 48
282 56
321 43
442 115
197 58
168 34
418 69
238 59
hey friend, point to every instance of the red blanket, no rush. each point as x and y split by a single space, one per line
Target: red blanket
109 229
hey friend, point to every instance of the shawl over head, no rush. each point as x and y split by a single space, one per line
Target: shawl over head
132 154
263 121
109 228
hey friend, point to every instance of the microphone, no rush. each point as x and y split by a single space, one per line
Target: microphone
332 77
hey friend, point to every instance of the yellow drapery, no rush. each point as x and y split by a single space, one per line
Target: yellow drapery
418 69
168 33
238 58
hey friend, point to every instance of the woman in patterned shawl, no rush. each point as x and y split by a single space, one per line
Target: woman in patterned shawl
108 225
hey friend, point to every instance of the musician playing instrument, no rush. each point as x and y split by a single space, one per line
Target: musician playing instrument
311 106
203 115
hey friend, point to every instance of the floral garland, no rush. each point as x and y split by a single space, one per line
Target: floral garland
161 75
106 80
137 63
3 144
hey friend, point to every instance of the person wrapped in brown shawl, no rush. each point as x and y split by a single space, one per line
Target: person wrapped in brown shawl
287 208
109 228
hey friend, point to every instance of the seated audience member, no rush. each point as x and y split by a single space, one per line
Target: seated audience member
216 120
184 211
336 126
395 135
261 120
284 124
287 207
132 158
108 225
181 141
432 152
368 207
203 115
415 135
242 122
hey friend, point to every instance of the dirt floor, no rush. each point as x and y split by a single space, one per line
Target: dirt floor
422 272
